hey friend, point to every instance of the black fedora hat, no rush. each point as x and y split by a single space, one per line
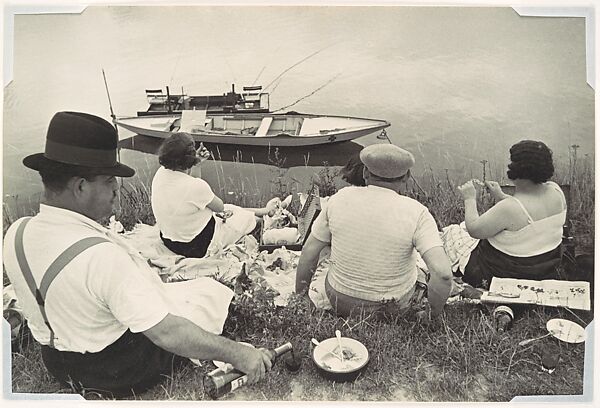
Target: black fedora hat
80 144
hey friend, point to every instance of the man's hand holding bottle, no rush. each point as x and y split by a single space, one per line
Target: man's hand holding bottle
255 363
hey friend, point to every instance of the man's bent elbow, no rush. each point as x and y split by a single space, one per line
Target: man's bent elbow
166 334
475 231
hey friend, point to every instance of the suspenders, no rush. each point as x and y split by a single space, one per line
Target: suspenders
52 271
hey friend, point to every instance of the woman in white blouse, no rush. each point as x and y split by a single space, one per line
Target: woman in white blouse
193 221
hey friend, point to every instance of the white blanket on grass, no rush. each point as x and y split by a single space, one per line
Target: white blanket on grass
278 269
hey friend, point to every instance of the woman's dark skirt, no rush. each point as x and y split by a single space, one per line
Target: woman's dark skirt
197 247
486 262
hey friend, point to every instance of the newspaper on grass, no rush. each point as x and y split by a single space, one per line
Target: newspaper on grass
557 293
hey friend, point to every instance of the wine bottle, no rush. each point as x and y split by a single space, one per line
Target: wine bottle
225 379
503 316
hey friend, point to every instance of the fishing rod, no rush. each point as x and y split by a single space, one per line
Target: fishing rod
296 64
310 94
259 74
112 114
384 135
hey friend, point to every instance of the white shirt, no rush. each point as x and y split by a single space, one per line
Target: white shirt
537 237
374 233
179 204
95 298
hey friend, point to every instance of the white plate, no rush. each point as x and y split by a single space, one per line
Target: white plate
326 355
566 330
221 364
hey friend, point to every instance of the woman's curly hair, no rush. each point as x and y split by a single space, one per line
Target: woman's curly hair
531 160
178 152
352 172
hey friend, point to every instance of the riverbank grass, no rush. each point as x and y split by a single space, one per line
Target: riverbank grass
459 357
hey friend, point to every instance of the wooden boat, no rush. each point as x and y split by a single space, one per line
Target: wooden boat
254 129
251 100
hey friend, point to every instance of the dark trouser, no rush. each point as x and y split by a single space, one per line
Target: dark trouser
197 247
132 364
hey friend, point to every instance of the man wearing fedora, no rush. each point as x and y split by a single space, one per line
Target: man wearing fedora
374 232
98 313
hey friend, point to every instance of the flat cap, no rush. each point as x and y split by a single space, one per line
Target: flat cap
387 160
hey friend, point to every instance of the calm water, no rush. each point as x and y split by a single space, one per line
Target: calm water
459 85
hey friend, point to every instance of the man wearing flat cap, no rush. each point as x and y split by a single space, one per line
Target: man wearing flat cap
374 233
100 315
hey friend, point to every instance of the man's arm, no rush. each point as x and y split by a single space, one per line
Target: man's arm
307 264
182 337
440 280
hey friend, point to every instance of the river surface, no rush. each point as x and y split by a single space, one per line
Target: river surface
459 85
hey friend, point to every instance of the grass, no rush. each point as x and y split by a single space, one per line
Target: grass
459 358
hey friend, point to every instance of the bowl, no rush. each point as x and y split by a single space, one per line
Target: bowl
329 364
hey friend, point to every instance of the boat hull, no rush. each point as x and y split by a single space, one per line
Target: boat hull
162 127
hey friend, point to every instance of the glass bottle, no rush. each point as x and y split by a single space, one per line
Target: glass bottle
226 379
503 317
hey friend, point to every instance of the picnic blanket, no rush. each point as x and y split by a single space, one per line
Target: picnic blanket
278 268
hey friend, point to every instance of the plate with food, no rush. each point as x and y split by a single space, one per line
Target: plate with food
340 359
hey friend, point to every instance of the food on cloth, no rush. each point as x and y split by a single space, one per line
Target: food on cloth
280 219
281 226
280 236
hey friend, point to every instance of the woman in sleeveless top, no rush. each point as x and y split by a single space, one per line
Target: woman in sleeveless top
520 235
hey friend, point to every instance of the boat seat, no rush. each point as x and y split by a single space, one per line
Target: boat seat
192 121
156 96
265 124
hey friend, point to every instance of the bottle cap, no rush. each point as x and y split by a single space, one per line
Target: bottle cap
503 309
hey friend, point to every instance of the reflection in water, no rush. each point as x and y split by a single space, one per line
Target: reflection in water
284 157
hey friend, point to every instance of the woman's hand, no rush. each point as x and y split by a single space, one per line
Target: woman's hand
223 215
202 153
467 190
495 190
